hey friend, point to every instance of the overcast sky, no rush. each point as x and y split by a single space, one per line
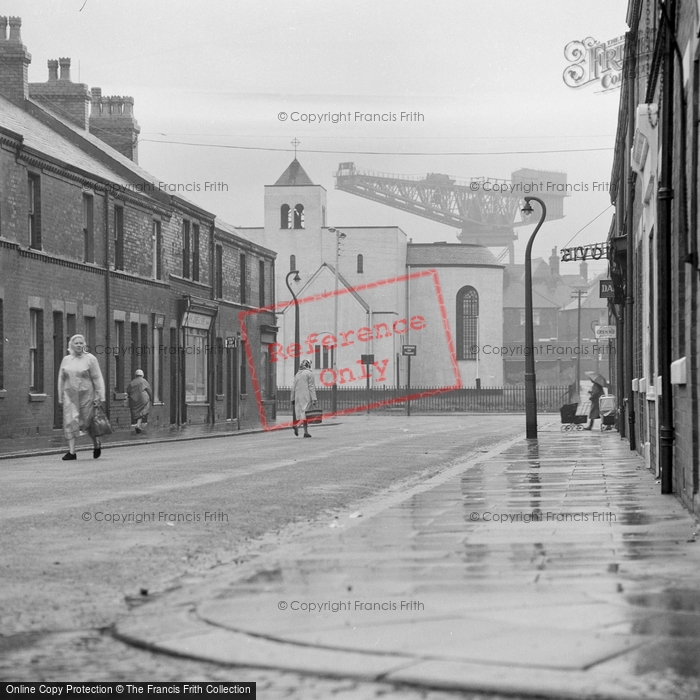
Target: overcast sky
486 76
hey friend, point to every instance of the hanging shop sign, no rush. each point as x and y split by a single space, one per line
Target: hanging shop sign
605 332
607 289
594 251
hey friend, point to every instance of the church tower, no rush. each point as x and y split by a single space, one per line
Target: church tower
295 215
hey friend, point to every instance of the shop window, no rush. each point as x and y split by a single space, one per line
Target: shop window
196 365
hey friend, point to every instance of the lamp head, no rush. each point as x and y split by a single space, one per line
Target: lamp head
527 211
296 276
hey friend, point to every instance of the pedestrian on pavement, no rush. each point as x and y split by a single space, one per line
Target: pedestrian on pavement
303 396
140 399
595 393
80 390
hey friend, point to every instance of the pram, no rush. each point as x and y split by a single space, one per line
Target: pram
608 411
570 418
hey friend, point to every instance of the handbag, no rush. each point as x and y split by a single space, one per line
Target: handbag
99 425
314 416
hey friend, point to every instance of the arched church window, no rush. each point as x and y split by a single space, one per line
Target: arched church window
299 216
292 263
360 263
285 216
467 323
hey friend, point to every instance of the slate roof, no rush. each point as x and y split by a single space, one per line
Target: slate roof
45 140
454 254
293 175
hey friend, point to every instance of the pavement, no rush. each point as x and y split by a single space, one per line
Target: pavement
550 568
11 448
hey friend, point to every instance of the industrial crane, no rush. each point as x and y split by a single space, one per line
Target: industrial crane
484 209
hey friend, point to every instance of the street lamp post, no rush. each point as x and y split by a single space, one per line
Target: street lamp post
296 315
334 351
530 379
579 292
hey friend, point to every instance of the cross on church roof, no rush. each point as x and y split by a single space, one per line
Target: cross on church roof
295 143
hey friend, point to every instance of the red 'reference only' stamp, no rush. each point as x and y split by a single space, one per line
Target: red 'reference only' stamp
341 357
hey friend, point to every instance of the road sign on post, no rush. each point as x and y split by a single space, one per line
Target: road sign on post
408 351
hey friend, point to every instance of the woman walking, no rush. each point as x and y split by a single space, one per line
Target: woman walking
303 396
80 390
595 393
140 399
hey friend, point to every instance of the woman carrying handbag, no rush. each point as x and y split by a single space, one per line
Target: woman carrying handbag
81 391
303 397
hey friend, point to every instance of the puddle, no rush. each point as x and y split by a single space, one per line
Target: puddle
672 599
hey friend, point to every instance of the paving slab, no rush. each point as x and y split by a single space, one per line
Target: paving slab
550 567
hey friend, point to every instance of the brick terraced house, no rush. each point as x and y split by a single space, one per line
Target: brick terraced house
655 242
89 243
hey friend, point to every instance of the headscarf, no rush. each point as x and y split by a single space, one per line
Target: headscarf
139 373
71 343
305 364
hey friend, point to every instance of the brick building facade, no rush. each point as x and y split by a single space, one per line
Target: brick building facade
90 244
655 242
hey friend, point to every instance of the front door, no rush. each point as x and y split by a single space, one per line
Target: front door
231 383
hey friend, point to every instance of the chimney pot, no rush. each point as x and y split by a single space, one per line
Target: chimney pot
65 68
3 29
53 69
15 24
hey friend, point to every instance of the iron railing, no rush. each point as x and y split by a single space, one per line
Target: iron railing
505 399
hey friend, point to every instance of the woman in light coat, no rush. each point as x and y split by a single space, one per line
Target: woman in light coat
303 396
80 389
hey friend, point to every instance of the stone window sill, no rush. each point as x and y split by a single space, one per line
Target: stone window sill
37 397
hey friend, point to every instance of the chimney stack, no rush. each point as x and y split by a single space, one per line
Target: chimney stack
61 96
65 68
554 262
112 121
583 271
14 61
